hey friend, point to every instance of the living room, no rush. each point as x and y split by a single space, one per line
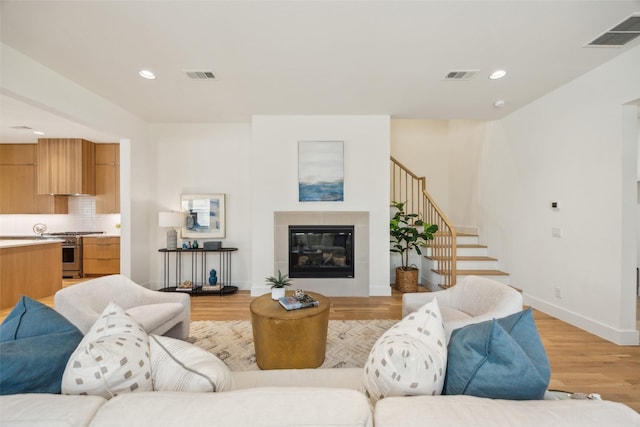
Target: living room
575 145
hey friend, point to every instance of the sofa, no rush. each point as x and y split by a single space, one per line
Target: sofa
119 375
307 397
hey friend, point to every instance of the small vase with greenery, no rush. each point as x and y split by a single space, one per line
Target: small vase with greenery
408 232
278 284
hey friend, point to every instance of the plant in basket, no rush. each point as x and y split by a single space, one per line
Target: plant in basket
408 232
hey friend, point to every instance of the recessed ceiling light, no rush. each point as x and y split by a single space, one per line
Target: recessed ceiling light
147 74
38 132
497 74
499 103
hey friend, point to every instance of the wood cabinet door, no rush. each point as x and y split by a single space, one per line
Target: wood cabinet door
107 178
18 183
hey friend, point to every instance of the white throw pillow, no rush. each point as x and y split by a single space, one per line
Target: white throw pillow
180 366
112 358
410 358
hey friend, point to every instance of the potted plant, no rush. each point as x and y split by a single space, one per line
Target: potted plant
278 284
408 232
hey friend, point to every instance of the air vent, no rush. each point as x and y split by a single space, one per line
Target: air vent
460 75
619 35
201 75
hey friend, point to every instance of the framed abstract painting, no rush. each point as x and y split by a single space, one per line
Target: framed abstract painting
321 171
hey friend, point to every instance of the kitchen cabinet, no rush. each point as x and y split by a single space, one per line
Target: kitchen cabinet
66 166
100 255
107 178
18 183
29 267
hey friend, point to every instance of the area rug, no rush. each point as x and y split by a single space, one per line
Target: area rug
348 341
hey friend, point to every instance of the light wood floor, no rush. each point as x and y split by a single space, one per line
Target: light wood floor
580 361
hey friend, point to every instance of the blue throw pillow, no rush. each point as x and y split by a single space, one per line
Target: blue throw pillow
35 345
499 359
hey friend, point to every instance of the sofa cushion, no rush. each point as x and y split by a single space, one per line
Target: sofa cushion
408 359
48 410
151 316
441 411
35 345
257 407
180 366
112 358
500 359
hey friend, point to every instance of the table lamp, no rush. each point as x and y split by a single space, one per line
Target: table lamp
171 220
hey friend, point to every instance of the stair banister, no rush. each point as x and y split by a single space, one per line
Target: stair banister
409 188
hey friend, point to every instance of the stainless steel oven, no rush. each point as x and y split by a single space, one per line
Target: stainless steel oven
71 252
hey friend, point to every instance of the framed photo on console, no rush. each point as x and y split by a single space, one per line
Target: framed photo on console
205 216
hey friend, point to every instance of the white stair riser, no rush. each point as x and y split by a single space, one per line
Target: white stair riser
467 240
461 251
467 265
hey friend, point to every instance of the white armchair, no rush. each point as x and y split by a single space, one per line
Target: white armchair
473 300
161 313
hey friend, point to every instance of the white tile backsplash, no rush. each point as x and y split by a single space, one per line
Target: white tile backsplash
81 217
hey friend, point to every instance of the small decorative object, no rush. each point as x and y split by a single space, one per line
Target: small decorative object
184 245
195 244
213 277
212 246
278 284
189 244
187 285
408 232
299 294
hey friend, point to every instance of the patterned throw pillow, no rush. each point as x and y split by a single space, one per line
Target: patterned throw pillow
112 358
177 365
410 358
499 359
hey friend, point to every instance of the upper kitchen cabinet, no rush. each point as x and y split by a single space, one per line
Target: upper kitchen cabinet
107 178
66 166
18 183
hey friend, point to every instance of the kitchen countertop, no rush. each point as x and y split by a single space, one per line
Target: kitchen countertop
17 243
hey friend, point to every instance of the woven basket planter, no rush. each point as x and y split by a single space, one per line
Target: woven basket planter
407 280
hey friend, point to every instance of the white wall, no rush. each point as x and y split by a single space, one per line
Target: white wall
210 159
274 166
576 145
447 153
31 82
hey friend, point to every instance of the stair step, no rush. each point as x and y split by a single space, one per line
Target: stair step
462 258
474 272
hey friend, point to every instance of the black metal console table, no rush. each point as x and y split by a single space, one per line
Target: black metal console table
199 275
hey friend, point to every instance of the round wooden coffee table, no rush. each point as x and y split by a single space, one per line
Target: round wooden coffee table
293 339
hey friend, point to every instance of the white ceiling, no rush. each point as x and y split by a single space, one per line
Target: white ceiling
306 57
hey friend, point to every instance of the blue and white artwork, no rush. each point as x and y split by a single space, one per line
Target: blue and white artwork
320 171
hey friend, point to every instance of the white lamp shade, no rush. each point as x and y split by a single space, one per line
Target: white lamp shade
170 219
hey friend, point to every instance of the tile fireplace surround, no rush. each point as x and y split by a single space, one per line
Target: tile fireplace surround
356 286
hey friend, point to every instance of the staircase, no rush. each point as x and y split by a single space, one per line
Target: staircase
472 259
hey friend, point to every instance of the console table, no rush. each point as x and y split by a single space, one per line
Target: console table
199 274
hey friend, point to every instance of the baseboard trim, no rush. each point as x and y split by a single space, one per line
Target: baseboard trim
616 336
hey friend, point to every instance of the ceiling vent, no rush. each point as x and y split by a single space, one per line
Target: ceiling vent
619 35
459 75
201 75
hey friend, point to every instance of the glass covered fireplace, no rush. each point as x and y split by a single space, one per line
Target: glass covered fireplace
321 251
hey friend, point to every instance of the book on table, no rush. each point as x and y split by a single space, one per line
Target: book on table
293 303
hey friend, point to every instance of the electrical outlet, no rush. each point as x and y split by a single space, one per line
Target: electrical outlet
558 293
556 231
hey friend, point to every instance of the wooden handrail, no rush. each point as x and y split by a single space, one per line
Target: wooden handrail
409 188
